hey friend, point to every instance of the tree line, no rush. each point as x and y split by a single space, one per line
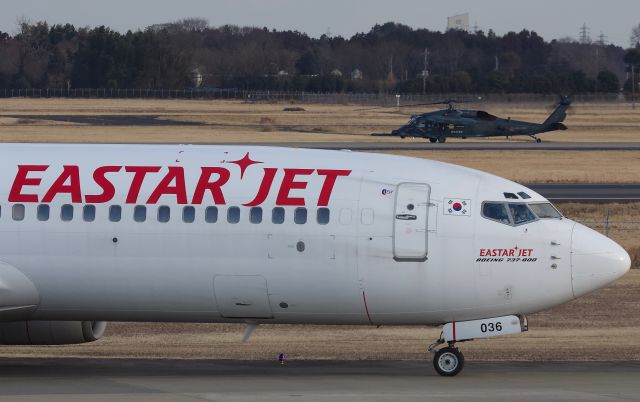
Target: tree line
389 58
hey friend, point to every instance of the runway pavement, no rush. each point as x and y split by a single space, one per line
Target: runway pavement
191 380
576 192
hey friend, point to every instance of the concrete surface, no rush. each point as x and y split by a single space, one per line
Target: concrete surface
205 380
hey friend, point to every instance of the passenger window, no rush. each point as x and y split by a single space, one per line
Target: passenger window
140 213
300 216
277 215
43 212
115 213
211 214
233 215
188 214
89 213
323 216
255 215
17 212
66 213
496 211
164 214
521 213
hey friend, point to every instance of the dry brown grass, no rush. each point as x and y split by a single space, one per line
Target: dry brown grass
239 121
234 121
545 166
622 225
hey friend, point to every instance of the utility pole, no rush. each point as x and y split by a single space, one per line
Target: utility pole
633 86
425 72
597 67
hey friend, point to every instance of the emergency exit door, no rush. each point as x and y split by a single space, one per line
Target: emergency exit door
410 222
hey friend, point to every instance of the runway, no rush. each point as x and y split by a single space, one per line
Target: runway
576 192
456 146
191 380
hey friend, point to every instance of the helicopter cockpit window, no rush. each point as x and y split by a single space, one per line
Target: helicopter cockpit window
420 123
496 211
510 196
545 210
485 116
520 213
524 195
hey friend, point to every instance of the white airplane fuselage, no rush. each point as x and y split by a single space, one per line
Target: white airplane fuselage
386 239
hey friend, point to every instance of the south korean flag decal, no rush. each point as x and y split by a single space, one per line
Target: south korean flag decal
457 207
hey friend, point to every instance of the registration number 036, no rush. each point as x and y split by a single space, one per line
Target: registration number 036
473 329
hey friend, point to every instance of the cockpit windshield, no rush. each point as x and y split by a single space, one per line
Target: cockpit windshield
519 213
545 210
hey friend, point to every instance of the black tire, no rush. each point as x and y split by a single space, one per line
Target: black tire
442 139
448 362
432 140
538 140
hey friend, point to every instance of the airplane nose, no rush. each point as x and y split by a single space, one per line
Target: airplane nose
596 260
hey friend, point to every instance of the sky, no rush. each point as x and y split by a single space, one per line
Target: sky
552 19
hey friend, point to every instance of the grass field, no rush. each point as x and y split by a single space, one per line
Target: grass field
39 120
223 121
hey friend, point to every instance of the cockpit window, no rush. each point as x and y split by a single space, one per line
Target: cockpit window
520 213
524 195
545 210
496 211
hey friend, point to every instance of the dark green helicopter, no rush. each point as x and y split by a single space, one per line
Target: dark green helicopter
454 123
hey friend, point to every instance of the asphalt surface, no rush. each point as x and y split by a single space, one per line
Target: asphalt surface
109 120
588 192
189 380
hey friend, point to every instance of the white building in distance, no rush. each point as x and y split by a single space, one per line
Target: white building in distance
458 22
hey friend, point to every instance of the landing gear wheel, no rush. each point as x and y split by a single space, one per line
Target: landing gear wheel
432 140
538 140
442 139
448 361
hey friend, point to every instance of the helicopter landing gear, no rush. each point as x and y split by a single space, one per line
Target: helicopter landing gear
442 139
432 140
538 140
448 361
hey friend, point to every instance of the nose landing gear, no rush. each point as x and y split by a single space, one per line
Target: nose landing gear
447 361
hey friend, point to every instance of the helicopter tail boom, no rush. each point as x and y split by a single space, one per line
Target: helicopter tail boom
559 113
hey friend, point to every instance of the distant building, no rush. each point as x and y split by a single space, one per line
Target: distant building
356 74
458 22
